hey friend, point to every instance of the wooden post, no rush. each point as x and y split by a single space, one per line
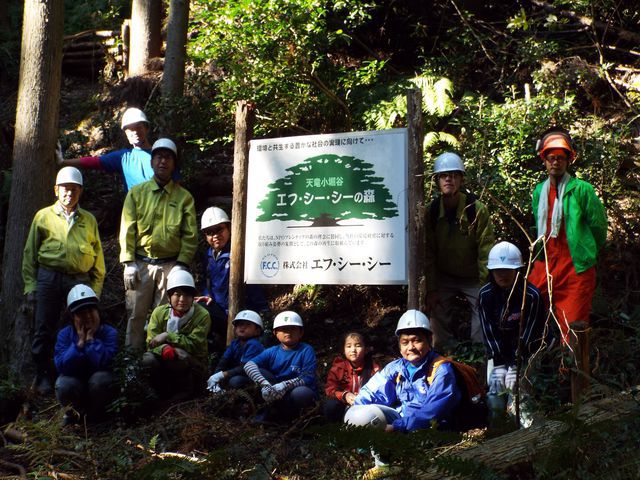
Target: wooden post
417 291
126 36
245 116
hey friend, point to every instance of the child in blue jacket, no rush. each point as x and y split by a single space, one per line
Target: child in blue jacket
247 328
286 373
83 356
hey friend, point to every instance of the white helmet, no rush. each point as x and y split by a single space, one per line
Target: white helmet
249 316
284 319
81 296
131 116
448 162
164 143
213 216
180 278
413 319
69 175
365 416
504 255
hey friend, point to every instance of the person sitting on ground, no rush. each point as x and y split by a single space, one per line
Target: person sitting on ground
134 164
62 250
216 227
286 372
177 341
84 353
501 308
400 397
348 373
247 328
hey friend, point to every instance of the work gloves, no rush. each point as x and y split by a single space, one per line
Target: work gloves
131 276
213 384
497 379
270 394
510 378
168 353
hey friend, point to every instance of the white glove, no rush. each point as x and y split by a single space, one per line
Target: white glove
213 384
58 153
496 380
176 268
510 378
281 389
269 394
131 276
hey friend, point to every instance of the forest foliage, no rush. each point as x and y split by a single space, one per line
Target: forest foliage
493 74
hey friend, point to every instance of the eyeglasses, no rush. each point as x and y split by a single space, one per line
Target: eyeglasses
449 175
556 158
212 232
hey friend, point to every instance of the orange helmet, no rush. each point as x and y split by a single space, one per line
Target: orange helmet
555 138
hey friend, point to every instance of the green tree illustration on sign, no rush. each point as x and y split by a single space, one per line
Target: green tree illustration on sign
328 188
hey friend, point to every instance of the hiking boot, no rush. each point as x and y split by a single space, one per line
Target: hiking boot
42 384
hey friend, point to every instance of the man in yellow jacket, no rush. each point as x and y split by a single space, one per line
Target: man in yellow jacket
63 249
158 234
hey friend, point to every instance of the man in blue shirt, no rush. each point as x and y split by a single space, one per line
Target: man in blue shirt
134 164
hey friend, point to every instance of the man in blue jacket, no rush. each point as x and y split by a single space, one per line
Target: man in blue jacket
84 353
402 390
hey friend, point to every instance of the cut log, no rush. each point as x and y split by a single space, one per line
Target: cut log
519 447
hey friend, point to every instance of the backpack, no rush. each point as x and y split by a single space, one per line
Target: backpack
472 411
469 210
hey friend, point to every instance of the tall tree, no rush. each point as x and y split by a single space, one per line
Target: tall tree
33 160
146 41
173 77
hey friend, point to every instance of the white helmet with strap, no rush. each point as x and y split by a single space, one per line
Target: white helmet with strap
412 319
213 216
81 296
284 319
180 278
504 255
249 316
131 116
448 162
69 175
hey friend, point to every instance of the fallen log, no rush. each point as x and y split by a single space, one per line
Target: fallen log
516 448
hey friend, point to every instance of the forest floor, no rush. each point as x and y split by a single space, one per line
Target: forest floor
206 438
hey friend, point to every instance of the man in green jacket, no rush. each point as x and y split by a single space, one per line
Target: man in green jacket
177 340
62 250
459 235
158 235
572 221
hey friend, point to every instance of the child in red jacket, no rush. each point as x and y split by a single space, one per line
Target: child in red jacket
348 373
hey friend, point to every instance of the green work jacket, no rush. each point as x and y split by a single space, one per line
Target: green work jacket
192 337
458 250
71 250
158 223
585 221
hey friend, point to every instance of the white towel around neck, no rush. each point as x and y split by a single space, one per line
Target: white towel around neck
175 323
543 207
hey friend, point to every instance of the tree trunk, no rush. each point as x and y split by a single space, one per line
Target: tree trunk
33 161
245 116
146 41
416 295
173 77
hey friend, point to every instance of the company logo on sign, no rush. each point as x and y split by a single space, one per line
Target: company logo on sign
269 265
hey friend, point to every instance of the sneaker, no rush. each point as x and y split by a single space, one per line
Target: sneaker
42 384
70 417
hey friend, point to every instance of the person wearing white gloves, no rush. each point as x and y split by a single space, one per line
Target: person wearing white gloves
505 323
286 373
158 235
247 328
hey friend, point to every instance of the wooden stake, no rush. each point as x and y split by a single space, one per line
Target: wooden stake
245 116
579 341
417 291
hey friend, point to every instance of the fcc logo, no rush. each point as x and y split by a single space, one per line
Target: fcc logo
269 265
